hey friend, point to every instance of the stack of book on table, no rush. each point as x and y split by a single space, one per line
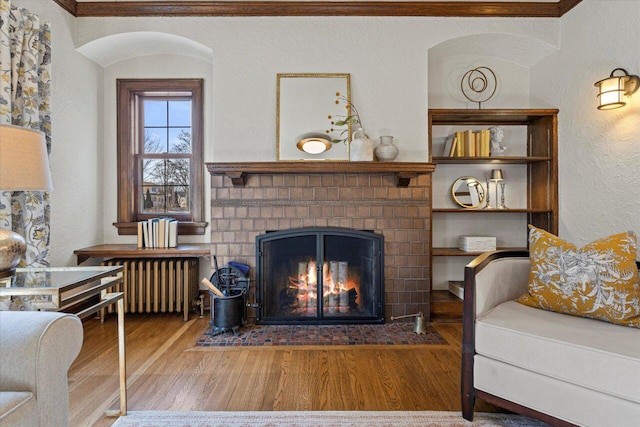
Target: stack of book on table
158 233
477 243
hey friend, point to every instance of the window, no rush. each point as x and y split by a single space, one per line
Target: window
160 160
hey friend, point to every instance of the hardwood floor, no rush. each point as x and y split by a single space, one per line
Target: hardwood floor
166 372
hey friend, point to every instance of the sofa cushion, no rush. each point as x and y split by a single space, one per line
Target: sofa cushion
597 355
599 281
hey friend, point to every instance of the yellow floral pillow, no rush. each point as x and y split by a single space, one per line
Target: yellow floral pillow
599 281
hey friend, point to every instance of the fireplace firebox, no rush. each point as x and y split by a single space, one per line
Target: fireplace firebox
319 276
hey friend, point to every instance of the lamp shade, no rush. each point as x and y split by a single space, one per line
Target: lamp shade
612 90
496 175
24 163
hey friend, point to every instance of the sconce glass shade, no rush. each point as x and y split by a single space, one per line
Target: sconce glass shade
314 143
24 166
496 175
612 90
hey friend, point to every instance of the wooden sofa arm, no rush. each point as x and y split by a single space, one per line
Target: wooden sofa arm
490 279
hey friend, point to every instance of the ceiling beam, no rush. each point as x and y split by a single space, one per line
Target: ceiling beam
565 6
70 6
319 8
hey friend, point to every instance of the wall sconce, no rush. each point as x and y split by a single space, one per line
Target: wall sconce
614 88
314 143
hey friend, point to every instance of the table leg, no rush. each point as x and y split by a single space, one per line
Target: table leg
121 363
122 358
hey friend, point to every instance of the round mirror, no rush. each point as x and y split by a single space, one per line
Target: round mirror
468 192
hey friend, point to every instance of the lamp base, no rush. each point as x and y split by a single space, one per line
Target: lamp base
12 250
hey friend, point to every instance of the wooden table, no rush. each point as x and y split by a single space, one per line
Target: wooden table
131 251
73 290
184 250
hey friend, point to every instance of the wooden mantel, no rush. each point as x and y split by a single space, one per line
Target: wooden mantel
403 171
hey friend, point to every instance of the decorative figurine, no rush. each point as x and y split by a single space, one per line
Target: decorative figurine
497 134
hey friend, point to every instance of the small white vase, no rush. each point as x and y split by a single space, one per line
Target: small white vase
386 151
361 147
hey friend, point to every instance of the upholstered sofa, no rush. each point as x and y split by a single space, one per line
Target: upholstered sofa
36 350
561 369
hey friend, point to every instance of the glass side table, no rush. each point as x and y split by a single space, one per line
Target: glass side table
82 291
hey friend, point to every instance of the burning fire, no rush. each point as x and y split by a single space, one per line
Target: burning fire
337 286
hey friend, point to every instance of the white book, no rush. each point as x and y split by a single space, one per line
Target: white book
173 233
145 234
161 232
167 232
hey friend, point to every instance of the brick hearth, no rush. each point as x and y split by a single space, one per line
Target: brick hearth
248 203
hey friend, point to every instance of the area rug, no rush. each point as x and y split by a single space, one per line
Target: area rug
320 419
280 335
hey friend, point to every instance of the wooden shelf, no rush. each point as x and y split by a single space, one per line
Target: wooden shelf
514 117
445 306
539 171
458 252
490 160
491 211
404 171
185 250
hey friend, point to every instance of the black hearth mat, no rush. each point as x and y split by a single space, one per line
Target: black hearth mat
284 335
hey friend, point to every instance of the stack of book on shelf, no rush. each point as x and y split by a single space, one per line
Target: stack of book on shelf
158 233
456 287
468 144
477 243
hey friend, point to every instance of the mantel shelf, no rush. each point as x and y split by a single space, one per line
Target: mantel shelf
403 171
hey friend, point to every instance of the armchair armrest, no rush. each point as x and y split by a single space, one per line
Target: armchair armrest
36 350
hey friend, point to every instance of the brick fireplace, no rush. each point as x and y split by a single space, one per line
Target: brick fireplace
249 199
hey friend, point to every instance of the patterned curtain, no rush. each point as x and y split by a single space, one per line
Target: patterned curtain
25 93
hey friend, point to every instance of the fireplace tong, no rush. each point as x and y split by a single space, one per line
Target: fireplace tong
420 326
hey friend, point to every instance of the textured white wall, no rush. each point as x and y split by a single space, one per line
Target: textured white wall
76 152
599 150
157 66
388 62
388 74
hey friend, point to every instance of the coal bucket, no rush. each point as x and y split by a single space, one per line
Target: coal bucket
228 312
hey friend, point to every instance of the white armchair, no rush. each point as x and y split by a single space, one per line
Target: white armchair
36 351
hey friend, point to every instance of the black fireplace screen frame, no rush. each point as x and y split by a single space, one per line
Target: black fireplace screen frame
374 243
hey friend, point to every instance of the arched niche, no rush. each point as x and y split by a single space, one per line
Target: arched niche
510 56
115 48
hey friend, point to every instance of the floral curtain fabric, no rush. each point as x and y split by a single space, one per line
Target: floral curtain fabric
25 93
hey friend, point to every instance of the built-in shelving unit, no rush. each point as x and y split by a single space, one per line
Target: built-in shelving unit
532 185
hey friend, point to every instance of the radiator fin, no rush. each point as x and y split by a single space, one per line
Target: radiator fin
156 285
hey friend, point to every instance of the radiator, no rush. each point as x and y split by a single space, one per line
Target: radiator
163 285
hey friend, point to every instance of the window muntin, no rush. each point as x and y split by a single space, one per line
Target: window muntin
164 156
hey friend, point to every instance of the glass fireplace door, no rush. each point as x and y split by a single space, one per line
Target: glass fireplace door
319 275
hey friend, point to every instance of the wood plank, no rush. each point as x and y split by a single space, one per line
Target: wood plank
324 8
120 250
403 171
166 372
